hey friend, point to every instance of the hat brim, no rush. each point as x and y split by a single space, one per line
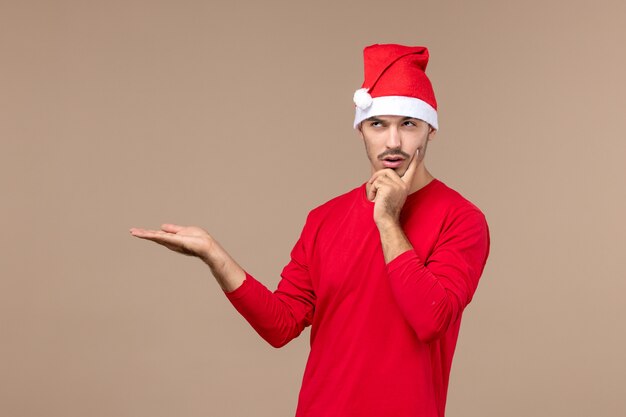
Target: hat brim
398 106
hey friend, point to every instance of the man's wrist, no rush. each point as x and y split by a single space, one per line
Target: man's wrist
214 255
394 241
387 223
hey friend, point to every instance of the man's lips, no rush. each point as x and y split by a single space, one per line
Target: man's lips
393 161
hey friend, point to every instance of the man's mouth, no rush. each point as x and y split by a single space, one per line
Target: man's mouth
393 161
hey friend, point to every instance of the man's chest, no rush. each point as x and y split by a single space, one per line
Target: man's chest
348 256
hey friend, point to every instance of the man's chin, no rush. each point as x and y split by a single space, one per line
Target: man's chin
401 169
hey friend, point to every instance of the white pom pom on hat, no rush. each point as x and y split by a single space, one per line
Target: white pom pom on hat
395 83
362 98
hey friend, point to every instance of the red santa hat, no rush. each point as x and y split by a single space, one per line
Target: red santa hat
396 84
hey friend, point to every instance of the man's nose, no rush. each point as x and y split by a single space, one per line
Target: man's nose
393 138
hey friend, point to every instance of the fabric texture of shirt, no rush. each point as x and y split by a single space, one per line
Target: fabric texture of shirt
382 335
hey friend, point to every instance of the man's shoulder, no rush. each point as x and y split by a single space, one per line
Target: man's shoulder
455 199
341 202
455 204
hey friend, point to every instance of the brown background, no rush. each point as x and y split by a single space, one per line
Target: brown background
236 117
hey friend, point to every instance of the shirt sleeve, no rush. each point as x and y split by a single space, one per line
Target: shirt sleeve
433 293
281 315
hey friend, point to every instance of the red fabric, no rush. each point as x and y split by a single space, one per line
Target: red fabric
397 70
382 336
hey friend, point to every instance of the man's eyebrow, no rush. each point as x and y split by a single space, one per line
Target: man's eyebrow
376 119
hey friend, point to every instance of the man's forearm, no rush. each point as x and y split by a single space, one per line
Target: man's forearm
393 239
227 272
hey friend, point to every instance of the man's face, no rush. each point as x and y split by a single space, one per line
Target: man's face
392 141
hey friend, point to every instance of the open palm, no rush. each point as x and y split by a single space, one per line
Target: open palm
188 240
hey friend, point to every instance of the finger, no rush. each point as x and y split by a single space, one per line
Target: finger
383 173
136 231
373 188
407 177
159 236
392 179
371 192
382 184
173 228
382 180
387 185
386 172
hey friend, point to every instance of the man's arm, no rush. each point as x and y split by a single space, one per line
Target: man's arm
431 297
278 316
389 192
433 294
194 241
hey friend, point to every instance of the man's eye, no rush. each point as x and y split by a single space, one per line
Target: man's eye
375 124
409 123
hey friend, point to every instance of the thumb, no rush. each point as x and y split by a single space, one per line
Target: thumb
172 228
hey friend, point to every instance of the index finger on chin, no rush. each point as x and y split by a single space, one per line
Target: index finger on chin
407 177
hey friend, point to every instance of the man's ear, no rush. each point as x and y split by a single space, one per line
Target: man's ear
432 132
359 128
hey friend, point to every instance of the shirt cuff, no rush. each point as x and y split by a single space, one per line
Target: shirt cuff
241 290
401 260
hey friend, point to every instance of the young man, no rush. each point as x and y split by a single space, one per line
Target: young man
381 273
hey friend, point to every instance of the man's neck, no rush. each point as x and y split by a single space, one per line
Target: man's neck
421 178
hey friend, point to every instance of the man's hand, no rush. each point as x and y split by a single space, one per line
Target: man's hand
192 241
389 192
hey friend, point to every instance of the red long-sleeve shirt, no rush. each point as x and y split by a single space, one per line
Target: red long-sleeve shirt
382 335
